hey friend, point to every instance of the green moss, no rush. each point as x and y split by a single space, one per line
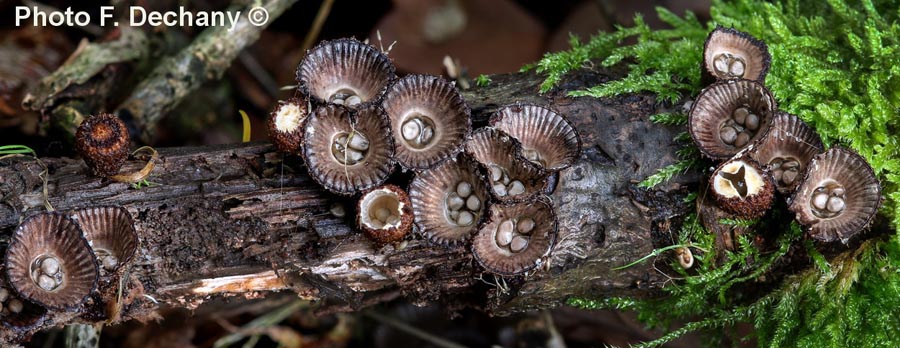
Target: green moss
482 80
835 66
668 172
671 73
706 294
670 118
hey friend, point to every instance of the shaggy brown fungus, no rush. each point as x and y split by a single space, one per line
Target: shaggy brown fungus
743 188
285 124
103 142
385 214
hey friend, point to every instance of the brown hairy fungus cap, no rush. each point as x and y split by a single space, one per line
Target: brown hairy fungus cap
547 137
110 231
786 150
103 142
49 262
728 116
732 54
346 72
516 237
839 196
742 187
512 178
449 201
285 124
385 214
429 120
348 152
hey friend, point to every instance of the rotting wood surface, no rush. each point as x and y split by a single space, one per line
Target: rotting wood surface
241 220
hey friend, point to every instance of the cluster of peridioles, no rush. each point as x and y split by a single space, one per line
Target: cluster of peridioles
833 193
353 122
67 262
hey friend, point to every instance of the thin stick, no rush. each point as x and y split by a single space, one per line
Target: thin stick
267 320
262 76
655 252
438 341
313 33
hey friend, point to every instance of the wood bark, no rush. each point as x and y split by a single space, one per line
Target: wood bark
243 220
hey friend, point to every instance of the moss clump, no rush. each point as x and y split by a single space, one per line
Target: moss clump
656 69
835 66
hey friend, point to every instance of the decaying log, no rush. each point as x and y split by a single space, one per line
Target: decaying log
242 220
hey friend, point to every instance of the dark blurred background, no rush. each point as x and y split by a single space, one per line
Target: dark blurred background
480 36
483 37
